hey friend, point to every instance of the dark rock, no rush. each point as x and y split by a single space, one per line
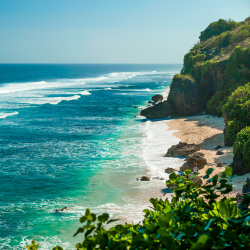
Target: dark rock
218 147
135 107
219 152
239 196
182 149
62 209
159 110
157 98
220 165
246 187
144 178
194 160
169 170
207 117
186 96
197 181
239 167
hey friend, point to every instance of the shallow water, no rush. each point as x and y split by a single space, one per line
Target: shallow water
70 135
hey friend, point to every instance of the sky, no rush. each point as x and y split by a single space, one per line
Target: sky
107 31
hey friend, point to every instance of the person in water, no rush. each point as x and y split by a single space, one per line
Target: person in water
60 210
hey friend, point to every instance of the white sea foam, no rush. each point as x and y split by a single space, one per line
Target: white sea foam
158 140
4 115
51 100
85 92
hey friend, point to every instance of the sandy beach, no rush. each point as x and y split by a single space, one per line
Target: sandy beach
207 131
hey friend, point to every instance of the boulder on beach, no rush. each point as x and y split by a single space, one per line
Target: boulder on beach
182 149
157 98
197 181
219 152
220 165
169 170
194 160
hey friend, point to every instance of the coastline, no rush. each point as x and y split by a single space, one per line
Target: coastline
207 131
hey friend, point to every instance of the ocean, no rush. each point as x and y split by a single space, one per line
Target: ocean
71 135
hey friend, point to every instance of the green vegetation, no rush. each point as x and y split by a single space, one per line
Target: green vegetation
241 145
197 218
216 28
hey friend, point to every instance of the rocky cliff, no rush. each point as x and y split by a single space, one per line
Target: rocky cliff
212 70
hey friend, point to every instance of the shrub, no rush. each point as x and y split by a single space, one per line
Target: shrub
215 104
240 142
221 41
233 128
190 60
197 218
216 28
237 98
238 65
209 65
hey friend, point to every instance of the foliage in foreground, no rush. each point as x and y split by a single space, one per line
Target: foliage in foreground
196 218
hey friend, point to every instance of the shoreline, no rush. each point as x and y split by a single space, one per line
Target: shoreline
207 131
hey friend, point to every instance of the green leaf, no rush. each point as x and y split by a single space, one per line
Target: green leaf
209 171
187 171
103 218
228 171
87 213
57 248
172 176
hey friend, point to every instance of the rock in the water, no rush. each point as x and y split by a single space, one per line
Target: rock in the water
220 165
169 170
246 187
144 178
219 152
160 110
194 160
157 98
218 147
182 149
239 167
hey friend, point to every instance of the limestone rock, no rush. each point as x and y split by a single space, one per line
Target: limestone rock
169 170
246 187
239 167
157 98
194 160
182 149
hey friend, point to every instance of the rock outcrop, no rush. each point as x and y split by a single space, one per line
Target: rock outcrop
194 160
169 170
157 98
143 178
185 98
239 167
182 149
159 110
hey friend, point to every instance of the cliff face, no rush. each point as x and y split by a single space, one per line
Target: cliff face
188 97
212 70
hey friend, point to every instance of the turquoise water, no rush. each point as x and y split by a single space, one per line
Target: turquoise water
71 135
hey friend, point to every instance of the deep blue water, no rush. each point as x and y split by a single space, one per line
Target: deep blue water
70 135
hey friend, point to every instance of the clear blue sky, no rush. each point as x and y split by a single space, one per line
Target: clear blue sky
107 31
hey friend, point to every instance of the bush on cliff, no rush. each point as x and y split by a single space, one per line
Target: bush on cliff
216 28
197 218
